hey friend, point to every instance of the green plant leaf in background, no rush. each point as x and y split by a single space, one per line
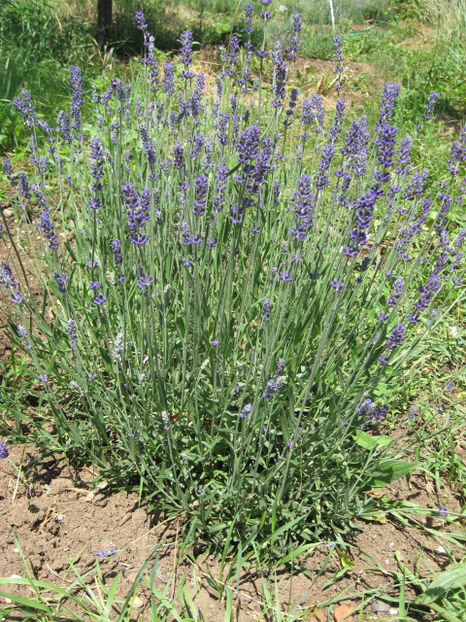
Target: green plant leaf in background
389 471
371 442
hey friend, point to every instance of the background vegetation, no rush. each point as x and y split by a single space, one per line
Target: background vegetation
420 45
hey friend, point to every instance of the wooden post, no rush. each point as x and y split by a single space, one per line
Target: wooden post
104 19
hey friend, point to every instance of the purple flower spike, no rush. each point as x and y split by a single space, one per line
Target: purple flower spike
168 80
104 553
266 310
338 50
246 411
431 101
336 285
248 13
138 212
390 93
77 93
186 53
99 300
116 250
46 226
72 333
25 107
145 281
62 280
140 20
201 187
280 75
293 46
4 453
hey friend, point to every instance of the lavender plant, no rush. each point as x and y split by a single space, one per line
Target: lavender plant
231 285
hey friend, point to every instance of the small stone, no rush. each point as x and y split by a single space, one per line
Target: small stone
392 544
440 549
393 611
8 601
60 517
378 606
8 213
137 602
15 576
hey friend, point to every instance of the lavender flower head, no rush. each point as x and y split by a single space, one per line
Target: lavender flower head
200 199
4 453
248 13
8 280
77 93
96 157
390 93
62 281
186 53
25 107
247 410
293 46
338 51
430 105
280 75
72 333
266 310
138 212
104 553
168 80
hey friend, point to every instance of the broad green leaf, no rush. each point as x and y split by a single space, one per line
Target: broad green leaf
371 442
389 471
346 560
444 582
